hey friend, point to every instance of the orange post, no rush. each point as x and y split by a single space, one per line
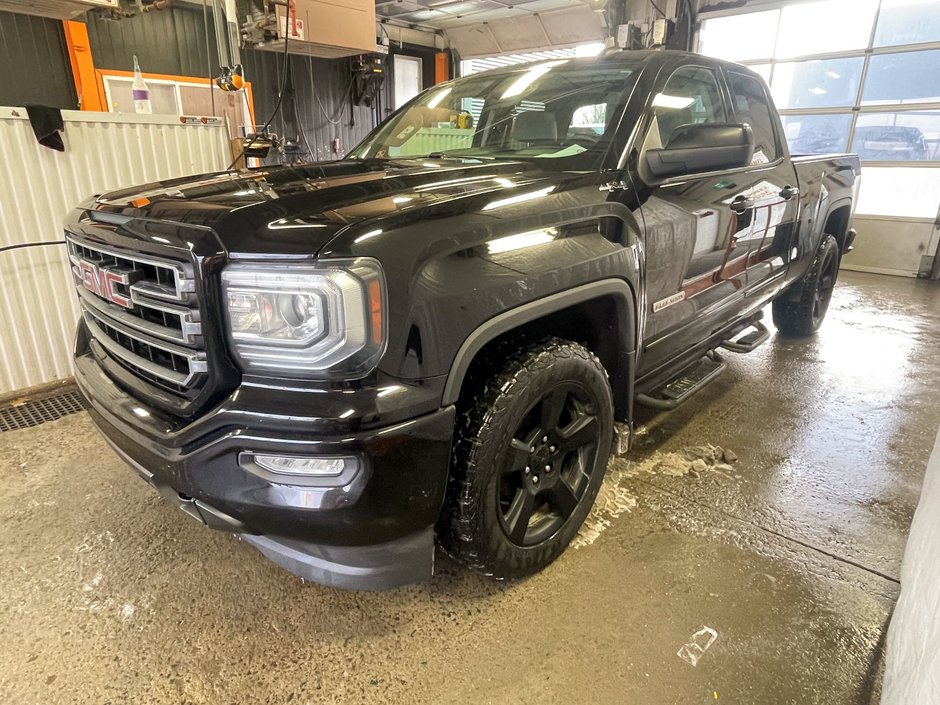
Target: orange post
441 67
83 66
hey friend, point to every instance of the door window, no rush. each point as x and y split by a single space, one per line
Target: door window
751 107
691 97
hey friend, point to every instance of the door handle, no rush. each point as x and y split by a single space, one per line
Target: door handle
741 204
788 192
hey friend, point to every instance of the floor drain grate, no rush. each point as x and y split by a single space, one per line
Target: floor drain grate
38 411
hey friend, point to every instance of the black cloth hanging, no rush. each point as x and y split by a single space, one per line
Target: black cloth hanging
47 123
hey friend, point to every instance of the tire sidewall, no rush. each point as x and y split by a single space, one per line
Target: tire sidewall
541 378
827 246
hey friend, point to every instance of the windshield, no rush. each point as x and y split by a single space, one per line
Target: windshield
561 113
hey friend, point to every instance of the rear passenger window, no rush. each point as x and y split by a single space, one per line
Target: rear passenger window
690 97
752 106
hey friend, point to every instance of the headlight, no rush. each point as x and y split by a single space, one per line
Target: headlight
324 320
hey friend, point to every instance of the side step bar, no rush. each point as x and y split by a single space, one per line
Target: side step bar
683 386
747 343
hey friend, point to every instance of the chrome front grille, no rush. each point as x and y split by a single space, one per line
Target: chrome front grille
143 312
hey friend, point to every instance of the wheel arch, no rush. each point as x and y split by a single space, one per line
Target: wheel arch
601 315
837 222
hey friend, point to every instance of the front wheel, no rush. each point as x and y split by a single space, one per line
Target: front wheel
530 454
801 317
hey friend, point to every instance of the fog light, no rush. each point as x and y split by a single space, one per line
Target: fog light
304 467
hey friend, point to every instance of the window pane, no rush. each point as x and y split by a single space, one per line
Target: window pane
909 136
908 22
911 77
740 37
825 83
750 106
691 97
817 134
407 73
825 27
904 192
162 96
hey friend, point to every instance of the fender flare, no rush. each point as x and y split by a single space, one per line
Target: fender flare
843 202
526 313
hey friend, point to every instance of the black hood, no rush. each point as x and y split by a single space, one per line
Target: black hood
297 210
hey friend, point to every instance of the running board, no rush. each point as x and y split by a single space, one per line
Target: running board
688 382
751 341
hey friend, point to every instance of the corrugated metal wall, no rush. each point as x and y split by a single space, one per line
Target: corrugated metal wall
318 105
171 41
34 62
38 186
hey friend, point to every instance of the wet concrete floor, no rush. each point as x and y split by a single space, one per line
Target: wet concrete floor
108 595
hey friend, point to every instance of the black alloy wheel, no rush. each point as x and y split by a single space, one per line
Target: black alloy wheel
534 432
800 310
824 287
547 468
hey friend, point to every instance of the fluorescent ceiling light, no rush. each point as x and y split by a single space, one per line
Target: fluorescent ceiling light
817 91
530 77
592 49
833 75
433 103
672 102
517 242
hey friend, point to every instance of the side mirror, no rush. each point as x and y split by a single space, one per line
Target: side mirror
696 149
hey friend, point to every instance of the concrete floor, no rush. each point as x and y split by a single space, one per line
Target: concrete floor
108 595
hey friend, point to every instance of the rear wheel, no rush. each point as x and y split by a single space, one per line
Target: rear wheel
530 454
801 317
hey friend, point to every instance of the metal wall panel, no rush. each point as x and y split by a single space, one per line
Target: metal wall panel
171 41
316 104
38 186
34 62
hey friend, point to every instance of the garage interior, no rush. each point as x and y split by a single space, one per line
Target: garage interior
810 557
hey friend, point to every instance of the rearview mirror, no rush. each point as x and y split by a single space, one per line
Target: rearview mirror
696 149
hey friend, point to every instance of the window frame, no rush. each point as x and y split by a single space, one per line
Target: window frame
775 124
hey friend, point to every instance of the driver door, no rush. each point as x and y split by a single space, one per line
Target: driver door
696 227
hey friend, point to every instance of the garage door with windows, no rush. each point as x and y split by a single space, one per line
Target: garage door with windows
860 76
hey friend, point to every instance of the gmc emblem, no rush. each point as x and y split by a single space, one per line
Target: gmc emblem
104 282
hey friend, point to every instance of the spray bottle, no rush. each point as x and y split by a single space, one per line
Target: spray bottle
140 92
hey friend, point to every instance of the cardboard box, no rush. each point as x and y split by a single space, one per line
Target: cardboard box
331 28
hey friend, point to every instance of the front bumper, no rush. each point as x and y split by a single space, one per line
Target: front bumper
373 531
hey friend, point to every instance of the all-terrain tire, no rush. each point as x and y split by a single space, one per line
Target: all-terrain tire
508 458
800 315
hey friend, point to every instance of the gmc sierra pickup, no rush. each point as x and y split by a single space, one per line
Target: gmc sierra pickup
431 339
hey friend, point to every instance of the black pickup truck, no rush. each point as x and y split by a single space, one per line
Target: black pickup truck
431 339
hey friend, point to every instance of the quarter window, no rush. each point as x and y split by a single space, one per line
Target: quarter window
751 106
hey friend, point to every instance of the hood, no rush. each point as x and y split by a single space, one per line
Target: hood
295 211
